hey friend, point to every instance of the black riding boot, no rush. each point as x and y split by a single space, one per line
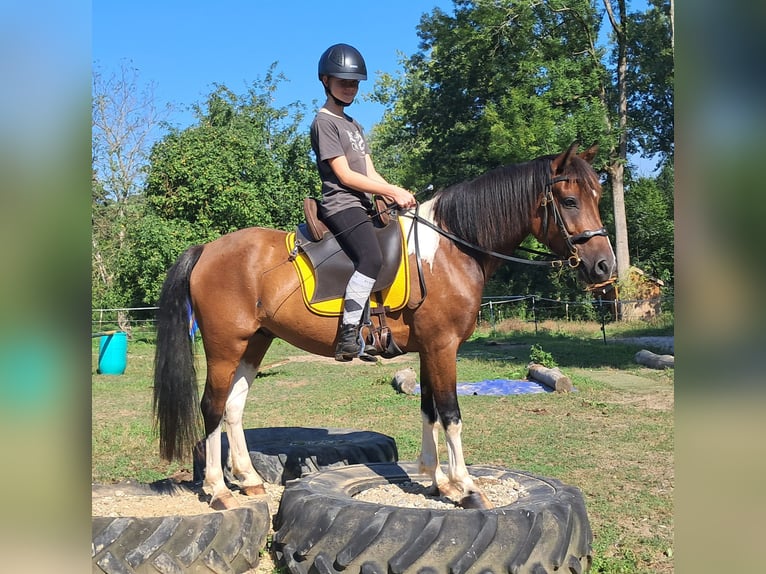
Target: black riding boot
348 343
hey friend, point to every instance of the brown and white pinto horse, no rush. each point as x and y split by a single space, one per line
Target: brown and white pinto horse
244 292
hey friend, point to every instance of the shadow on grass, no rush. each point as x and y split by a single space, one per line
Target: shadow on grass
567 351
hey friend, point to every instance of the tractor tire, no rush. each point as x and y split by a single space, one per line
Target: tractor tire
321 528
227 541
280 454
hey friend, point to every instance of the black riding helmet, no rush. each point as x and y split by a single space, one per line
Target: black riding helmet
342 61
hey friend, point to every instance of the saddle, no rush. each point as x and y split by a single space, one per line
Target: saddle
331 266
325 269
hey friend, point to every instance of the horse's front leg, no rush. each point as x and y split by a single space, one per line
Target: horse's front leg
429 451
440 407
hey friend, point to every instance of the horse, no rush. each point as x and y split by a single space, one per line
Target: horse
244 292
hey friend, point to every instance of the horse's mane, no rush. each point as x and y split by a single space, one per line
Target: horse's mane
495 208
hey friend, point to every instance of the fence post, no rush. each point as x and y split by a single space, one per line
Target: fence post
491 315
534 313
602 315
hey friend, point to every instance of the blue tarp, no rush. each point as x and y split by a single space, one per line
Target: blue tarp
498 387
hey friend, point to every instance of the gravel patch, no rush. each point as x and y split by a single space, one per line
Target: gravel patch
415 494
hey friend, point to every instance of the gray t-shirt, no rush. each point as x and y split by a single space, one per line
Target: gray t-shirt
333 136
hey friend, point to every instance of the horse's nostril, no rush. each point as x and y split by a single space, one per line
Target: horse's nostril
604 268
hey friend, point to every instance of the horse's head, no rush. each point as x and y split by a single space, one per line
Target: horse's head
568 220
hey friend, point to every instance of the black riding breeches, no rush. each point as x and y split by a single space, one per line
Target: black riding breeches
355 233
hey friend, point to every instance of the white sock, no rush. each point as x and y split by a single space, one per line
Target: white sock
357 292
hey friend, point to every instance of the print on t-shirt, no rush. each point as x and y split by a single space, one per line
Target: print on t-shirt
357 141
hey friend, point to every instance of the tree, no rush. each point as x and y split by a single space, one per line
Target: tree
649 77
243 163
502 82
641 102
494 83
618 152
124 116
650 224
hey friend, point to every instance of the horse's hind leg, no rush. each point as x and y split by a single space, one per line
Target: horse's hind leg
250 483
228 381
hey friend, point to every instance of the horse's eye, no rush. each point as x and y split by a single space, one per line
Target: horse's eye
570 202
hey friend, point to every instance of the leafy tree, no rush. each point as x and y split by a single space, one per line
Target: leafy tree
640 99
651 225
502 82
650 75
154 244
244 163
493 83
617 123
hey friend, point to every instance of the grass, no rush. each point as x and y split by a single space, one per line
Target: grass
613 438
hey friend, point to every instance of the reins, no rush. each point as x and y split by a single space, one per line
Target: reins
548 199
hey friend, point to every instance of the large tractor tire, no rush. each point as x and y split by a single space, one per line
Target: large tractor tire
228 541
280 454
322 528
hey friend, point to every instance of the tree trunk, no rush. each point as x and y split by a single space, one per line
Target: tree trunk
620 220
552 378
672 26
617 167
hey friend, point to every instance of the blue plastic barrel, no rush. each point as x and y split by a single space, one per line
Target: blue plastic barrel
113 354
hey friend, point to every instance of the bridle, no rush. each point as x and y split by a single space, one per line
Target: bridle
571 240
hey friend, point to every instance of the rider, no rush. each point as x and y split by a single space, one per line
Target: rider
349 181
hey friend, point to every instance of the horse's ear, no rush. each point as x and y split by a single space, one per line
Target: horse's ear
590 153
561 161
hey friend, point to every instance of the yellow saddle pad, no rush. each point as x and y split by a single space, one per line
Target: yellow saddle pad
394 297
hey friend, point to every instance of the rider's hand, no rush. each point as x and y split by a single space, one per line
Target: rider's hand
404 198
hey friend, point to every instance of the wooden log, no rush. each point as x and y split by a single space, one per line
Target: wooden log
551 378
405 380
653 361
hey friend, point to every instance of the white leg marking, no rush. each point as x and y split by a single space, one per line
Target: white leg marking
213 483
458 473
429 452
241 465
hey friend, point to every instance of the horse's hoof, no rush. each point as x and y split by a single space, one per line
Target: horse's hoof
224 502
449 490
254 490
476 500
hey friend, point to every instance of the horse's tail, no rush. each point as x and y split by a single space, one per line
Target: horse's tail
176 404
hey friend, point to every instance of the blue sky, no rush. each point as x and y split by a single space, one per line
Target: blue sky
183 48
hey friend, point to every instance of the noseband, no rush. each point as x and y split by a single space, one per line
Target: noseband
571 240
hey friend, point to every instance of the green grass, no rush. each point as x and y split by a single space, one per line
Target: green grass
613 438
